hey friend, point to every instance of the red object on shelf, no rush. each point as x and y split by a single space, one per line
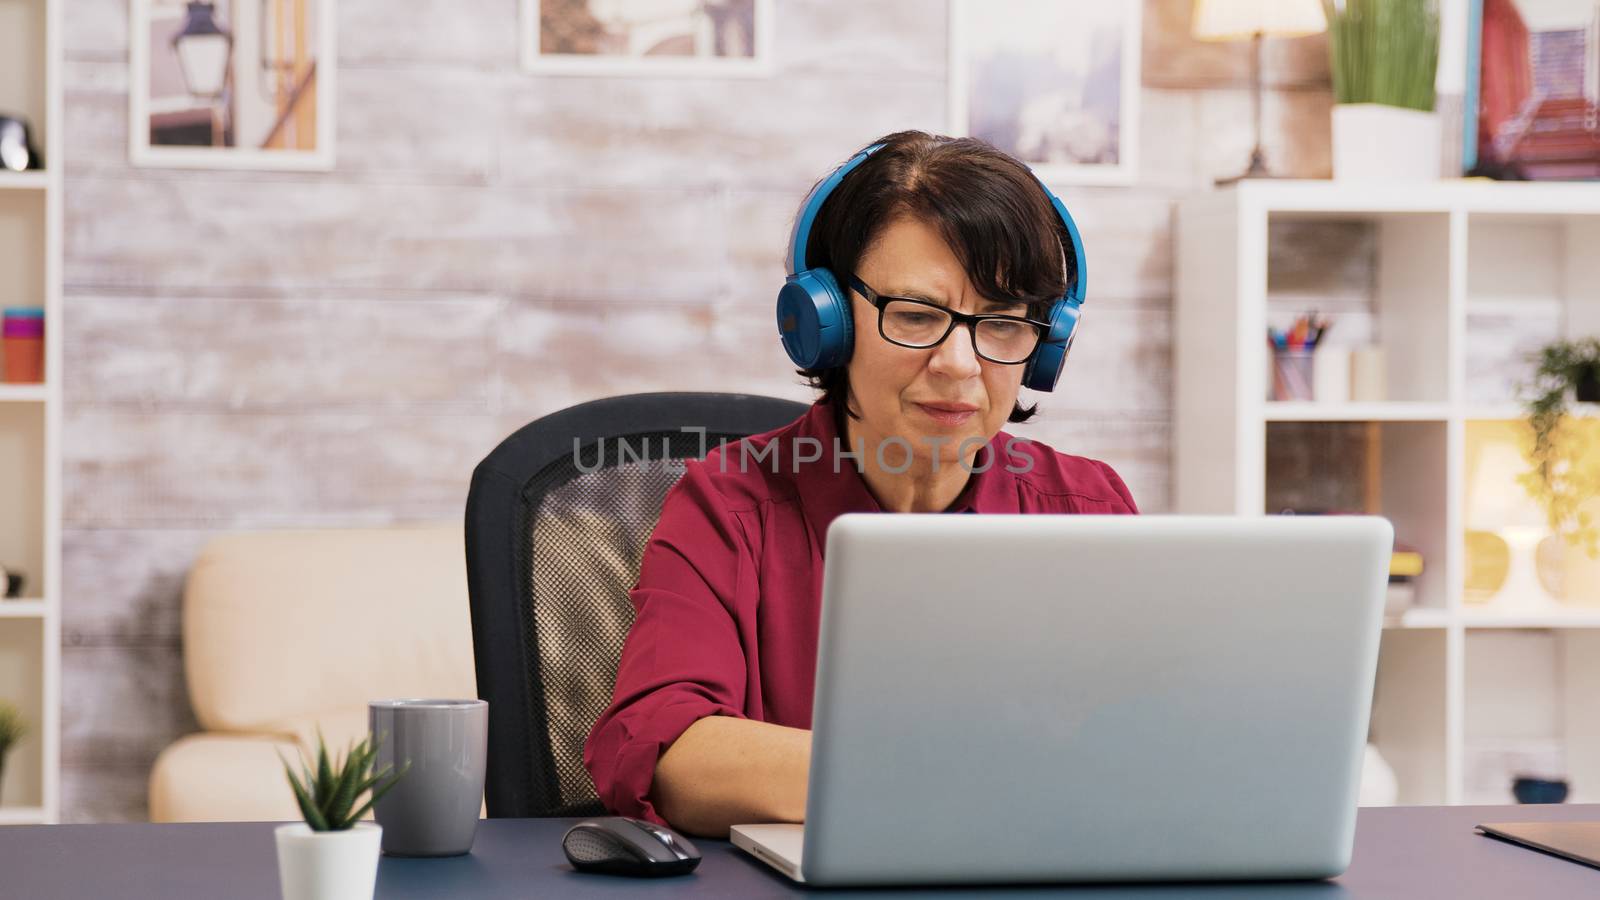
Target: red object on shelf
1536 117
22 346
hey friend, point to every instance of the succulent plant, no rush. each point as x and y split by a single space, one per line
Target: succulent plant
328 796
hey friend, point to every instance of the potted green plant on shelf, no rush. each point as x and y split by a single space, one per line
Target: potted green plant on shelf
13 728
333 855
1564 460
1384 55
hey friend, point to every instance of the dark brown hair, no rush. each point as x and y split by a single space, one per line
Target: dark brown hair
988 207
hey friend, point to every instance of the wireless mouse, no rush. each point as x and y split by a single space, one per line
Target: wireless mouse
616 845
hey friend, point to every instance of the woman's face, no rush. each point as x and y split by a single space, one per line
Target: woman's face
924 396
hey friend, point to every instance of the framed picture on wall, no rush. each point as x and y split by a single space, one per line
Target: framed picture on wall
648 37
240 84
1054 83
1533 109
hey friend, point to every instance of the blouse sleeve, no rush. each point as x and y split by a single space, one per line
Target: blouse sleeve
1118 486
682 660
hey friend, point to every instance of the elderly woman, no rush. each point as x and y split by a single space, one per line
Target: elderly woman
930 279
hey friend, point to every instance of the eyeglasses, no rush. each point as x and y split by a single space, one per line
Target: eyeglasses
920 324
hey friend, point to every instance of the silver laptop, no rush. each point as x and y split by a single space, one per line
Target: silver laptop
1087 698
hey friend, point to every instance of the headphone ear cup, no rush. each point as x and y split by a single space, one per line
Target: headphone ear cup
814 320
1044 370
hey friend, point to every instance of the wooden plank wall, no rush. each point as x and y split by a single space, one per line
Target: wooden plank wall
260 350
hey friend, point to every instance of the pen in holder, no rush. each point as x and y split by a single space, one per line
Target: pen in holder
1293 352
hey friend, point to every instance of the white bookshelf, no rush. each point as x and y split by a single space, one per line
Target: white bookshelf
1466 692
23 393
30 415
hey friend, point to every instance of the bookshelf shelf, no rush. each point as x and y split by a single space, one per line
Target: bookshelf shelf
1553 619
1508 412
1420 618
24 181
24 393
1356 412
1443 276
23 815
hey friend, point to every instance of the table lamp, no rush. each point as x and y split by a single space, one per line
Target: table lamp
1499 504
1235 20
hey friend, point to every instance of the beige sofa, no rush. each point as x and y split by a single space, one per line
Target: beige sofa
285 632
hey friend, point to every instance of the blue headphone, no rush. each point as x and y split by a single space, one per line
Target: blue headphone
814 318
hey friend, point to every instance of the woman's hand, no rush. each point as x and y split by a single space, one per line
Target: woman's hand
724 771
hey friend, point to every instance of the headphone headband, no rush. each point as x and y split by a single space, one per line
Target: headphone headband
800 237
1080 262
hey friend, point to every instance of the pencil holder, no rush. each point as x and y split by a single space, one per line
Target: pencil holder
1291 374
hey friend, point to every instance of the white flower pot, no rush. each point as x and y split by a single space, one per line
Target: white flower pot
1374 142
328 865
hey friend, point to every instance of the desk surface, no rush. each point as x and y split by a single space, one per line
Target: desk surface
1400 852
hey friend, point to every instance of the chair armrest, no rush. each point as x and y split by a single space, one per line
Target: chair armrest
215 777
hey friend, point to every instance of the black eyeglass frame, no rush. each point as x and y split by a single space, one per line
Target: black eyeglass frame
879 301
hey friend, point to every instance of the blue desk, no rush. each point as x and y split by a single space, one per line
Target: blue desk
1416 852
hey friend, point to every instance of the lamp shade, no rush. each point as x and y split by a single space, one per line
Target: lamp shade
1234 20
1497 500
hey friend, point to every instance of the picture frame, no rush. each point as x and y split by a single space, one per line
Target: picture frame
232 84
1019 81
726 38
1530 106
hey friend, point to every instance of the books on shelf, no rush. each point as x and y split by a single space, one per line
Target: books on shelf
1404 563
1402 596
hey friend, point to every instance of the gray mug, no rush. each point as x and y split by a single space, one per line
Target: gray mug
433 809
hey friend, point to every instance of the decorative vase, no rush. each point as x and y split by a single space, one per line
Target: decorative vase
1539 790
1375 142
1580 572
1488 560
1550 562
328 865
1587 390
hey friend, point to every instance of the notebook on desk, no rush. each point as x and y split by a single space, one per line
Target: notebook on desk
1087 698
1577 841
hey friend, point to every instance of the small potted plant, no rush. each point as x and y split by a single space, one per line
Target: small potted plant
13 728
1384 55
1565 463
332 855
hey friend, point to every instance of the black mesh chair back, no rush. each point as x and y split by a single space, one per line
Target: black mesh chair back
557 520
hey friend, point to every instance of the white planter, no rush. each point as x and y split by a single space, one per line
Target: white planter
328 865
1374 142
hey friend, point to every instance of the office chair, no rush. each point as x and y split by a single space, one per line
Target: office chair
557 519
